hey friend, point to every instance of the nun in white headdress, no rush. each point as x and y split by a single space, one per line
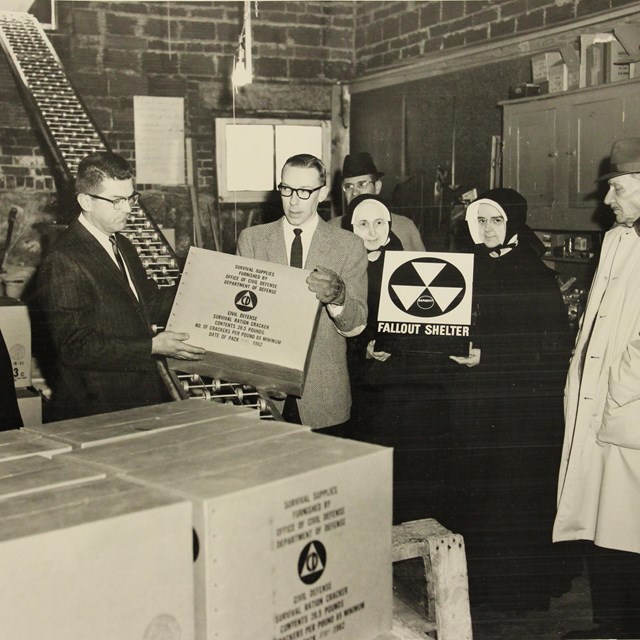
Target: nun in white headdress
508 453
369 218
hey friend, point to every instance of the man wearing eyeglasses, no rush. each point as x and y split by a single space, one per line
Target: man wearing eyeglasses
100 306
360 175
338 263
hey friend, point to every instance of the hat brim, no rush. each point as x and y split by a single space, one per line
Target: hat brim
376 175
614 174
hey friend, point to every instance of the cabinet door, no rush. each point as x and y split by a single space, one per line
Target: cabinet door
631 112
593 125
377 126
530 156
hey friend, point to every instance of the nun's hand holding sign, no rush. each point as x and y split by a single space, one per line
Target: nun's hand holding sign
380 356
472 360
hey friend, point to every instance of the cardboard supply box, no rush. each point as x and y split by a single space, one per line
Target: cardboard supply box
571 57
558 77
105 560
32 474
18 443
91 431
244 321
541 63
16 331
293 528
592 58
615 66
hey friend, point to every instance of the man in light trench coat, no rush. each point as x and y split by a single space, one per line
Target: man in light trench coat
599 483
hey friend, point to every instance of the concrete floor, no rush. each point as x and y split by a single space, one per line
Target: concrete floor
569 612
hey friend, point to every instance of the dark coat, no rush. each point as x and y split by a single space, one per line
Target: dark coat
508 432
522 329
102 334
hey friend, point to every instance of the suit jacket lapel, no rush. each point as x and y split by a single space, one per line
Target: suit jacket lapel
319 246
275 246
102 264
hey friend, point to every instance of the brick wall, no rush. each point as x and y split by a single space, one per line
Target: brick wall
114 50
390 33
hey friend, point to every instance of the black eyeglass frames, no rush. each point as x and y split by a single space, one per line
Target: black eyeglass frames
303 194
118 203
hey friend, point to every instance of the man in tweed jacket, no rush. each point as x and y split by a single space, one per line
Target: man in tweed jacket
338 262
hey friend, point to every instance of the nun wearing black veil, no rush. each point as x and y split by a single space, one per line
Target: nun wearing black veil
395 403
508 446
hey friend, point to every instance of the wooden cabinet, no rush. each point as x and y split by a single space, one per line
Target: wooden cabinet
556 146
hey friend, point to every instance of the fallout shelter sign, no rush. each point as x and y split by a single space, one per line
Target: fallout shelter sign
425 293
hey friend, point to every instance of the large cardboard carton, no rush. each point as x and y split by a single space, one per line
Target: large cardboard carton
91 431
16 331
541 63
34 474
103 560
256 320
293 528
18 443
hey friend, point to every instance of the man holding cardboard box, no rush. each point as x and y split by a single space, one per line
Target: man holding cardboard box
339 280
100 304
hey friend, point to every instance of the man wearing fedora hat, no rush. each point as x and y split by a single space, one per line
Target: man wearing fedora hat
360 175
599 484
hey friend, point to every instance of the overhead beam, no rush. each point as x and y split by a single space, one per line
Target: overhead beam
508 47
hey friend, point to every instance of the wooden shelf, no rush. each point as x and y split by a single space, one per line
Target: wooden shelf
574 260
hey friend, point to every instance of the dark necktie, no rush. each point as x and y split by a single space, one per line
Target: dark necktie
290 411
296 250
114 243
116 252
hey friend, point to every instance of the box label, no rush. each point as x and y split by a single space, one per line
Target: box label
250 311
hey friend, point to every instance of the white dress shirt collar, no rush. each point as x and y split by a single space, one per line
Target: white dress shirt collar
103 239
308 229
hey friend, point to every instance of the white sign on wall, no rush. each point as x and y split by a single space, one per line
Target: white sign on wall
159 140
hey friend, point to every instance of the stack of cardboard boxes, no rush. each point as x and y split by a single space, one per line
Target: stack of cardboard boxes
195 520
599 58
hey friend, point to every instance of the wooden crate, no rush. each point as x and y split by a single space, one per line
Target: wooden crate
444 568
105 560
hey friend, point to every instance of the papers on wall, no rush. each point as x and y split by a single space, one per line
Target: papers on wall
249 157
159 140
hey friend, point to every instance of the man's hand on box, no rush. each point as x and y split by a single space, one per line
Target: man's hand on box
173 345
327 285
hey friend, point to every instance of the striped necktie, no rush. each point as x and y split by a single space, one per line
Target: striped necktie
116 252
